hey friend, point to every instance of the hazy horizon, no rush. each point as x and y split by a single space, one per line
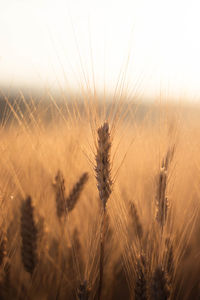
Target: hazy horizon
143 48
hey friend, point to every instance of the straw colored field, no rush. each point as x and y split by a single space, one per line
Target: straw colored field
150 224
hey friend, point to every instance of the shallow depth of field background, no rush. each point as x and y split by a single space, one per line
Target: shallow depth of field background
151 46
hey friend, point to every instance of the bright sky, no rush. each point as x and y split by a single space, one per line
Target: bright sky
154 43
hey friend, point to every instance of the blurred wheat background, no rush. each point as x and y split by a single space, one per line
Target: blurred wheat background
99 201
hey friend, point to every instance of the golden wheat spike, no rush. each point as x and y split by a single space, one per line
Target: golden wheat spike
28 236
141 279
159 286
74 195
59 187
104 182
83 291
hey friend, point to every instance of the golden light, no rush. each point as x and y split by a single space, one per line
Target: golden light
155 44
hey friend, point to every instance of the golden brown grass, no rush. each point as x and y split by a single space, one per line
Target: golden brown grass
134 235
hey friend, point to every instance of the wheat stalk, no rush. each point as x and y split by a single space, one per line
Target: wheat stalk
104 184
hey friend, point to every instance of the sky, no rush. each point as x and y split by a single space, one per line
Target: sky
145 46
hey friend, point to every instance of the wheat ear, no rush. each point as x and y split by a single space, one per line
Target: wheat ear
29 236
141 279
3 247
104 184
83 291
74 195
64 204
59 187
135 220
161 199
159 286
102 169
169 258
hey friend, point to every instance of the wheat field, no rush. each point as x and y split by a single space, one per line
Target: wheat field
99 201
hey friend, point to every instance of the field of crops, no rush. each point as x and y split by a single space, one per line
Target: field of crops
99 201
